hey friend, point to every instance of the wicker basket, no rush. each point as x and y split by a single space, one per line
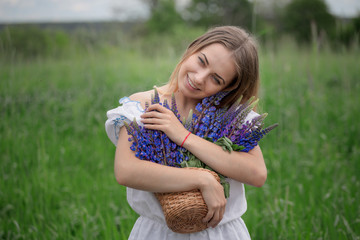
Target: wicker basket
184 211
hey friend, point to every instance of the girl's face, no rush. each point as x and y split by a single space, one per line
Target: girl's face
206 72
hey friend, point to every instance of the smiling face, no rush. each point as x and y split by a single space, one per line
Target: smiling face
206 72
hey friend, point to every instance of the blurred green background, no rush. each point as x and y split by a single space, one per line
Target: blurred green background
57 80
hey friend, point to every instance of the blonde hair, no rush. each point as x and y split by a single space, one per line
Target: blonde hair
244 49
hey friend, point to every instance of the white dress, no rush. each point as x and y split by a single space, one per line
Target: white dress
151 224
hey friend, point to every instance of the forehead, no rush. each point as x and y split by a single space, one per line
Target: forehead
218 49
221 60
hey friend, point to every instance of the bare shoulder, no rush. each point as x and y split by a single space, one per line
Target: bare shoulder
142 97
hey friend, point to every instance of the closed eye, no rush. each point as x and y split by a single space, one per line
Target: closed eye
202 61
216 80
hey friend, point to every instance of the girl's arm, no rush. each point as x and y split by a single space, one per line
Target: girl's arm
244 167
153 177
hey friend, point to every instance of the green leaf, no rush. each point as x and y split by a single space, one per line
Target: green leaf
194 162
225 143
189 118
208 139
226 187
236 147
184 164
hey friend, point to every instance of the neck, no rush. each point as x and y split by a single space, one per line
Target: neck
184 104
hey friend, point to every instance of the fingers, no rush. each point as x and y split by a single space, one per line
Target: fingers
156 111
208 216
154 119
214 216
160 118
152 115
150 122
157 107
217 217
213 194
215 220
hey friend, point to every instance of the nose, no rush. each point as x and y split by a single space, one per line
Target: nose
200 77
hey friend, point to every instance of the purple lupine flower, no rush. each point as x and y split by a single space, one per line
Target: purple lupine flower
155 98
174 106
153 145
165 104
205 113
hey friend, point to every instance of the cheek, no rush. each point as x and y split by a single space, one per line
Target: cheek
190 64
182 72
212 89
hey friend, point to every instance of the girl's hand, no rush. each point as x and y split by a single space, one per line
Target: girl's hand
160 118
213 194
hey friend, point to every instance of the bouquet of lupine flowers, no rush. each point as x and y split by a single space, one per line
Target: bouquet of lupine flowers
225 126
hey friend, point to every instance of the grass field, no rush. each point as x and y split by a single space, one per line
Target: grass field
56 162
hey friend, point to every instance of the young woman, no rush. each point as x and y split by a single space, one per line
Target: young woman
223 59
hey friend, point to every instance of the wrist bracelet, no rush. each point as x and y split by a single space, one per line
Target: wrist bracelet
185 139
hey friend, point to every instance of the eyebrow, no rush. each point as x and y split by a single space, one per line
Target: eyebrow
207 62
205 58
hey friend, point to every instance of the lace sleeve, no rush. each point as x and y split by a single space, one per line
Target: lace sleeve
128 110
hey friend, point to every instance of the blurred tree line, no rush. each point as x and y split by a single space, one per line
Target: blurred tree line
308 22
28 41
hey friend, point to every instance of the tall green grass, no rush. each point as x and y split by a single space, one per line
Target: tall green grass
56 169
313 156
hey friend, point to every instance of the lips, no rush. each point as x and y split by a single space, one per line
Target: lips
191 84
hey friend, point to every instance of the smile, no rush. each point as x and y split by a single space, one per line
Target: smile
191 83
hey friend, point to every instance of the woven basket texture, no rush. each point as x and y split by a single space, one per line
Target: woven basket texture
184 211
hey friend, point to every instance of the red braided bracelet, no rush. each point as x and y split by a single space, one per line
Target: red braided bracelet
185 139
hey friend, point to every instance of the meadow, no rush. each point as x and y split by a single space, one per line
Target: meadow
56 162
